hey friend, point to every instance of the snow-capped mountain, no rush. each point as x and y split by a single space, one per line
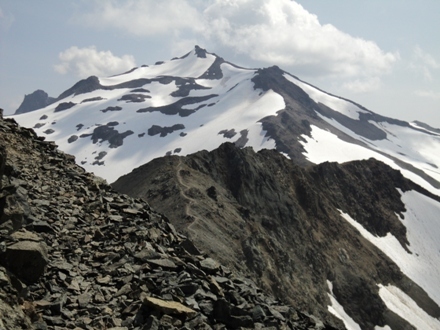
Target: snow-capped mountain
115 124
199 101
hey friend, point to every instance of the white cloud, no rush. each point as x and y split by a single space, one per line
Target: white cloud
6 20
424 63
144 17
283 32
279 32
84 62
428 94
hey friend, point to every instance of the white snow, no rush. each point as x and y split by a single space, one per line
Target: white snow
401 304
190 66
424 129
337 310
422 222
335 103
325 146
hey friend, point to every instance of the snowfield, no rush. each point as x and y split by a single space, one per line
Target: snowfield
227 109
337 310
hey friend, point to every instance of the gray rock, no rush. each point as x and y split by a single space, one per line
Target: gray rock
84 299
209 265
26 259
165 263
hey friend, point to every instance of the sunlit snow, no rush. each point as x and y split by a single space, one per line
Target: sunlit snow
401 304
325 146
190 66
422 222
337 310
335 103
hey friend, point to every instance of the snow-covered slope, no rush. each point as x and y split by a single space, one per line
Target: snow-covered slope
420 262
115 124
172 110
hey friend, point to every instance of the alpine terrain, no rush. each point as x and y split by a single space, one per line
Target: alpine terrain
323 203
74 254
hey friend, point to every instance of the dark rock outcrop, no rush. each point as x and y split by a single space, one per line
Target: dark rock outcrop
164 131
64 106
26 259
34 101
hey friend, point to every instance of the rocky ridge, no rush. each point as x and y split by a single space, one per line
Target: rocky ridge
77 255
36 100
281 224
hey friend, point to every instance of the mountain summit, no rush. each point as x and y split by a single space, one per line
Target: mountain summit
199 101
322 201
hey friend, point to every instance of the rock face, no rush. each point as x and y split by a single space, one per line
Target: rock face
279 223
36 100
76 254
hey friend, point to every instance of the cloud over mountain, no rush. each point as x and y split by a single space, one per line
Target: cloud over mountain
278 32
145 17
424 63
87 61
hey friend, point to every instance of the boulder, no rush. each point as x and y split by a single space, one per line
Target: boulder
26 259
168 307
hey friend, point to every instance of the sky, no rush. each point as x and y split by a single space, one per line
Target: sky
384 55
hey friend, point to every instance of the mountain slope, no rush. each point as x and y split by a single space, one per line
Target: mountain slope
199 101
76 254
292 229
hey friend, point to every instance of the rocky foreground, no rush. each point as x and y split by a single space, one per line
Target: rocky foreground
77 255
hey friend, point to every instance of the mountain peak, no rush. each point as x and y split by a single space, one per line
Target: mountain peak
36 100
200 52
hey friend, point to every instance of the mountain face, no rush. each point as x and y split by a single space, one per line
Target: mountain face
37 100
354 238
287 226
76 254
199 101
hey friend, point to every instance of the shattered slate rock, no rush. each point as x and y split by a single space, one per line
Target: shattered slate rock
169 307
209 265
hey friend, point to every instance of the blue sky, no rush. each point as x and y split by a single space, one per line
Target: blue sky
384 55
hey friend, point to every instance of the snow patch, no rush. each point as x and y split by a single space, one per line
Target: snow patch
337 310
422 222
400 303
